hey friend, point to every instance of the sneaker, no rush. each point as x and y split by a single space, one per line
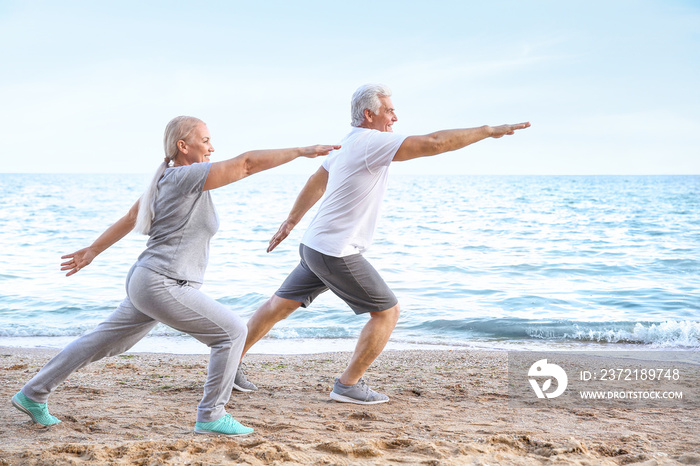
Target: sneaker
39 412
241 383
226 425
359 393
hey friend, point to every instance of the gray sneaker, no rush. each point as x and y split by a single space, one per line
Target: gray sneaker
241 383
359 393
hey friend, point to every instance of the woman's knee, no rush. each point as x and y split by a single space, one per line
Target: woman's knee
236 328
227 335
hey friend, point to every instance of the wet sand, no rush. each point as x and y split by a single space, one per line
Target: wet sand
447 407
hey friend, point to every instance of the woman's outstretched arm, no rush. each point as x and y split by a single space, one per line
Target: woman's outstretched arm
83 257
249 163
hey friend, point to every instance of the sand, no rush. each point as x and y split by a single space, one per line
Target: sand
447 407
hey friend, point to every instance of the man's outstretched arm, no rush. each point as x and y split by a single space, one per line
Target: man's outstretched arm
451 139
308 196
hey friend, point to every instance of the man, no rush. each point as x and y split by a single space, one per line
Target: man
354 179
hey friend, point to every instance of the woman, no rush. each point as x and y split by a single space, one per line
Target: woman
177 213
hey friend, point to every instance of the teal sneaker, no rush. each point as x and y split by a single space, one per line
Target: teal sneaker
226 425
39 412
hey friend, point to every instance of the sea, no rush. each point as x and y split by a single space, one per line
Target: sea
484 262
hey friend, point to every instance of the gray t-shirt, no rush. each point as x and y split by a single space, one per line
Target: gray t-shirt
184 222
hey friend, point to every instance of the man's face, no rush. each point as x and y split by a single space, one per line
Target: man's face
384 118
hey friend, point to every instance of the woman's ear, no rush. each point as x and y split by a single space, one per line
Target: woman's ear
182 146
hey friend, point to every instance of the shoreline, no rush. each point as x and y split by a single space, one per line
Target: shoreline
447 407
185 345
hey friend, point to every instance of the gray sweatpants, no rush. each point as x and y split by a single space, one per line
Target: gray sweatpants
153 298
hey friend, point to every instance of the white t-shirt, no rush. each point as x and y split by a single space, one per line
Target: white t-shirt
357 178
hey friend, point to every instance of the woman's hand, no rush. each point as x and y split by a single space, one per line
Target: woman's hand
77 260
506 130
319 149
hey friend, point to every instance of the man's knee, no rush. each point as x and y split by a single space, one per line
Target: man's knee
281 308
390 315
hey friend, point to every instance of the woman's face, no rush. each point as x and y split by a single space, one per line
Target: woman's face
197 148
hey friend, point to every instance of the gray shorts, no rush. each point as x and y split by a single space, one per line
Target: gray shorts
351 278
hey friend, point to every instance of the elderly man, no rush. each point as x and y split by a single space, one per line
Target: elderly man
354 179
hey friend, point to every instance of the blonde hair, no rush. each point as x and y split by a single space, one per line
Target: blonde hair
179 128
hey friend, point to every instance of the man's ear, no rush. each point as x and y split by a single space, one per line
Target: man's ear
369 115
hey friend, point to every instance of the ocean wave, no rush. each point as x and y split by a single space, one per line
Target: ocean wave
668 334
662 335
287 333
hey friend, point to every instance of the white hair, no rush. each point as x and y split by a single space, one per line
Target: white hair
179 128
366 97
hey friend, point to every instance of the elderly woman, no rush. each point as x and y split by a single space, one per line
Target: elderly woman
178 215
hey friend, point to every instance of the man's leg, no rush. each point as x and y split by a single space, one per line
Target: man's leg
267 315
373 339
300 288
356 282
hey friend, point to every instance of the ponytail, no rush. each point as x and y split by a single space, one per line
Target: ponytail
147 202
178 128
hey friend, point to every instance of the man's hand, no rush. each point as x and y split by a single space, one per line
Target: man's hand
281 234
443 141
78 260
506 130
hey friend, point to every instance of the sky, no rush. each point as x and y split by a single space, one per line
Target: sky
610 87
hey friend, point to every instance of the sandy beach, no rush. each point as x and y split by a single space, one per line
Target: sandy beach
447 407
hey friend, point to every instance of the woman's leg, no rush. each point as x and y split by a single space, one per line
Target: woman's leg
122 330
185 308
